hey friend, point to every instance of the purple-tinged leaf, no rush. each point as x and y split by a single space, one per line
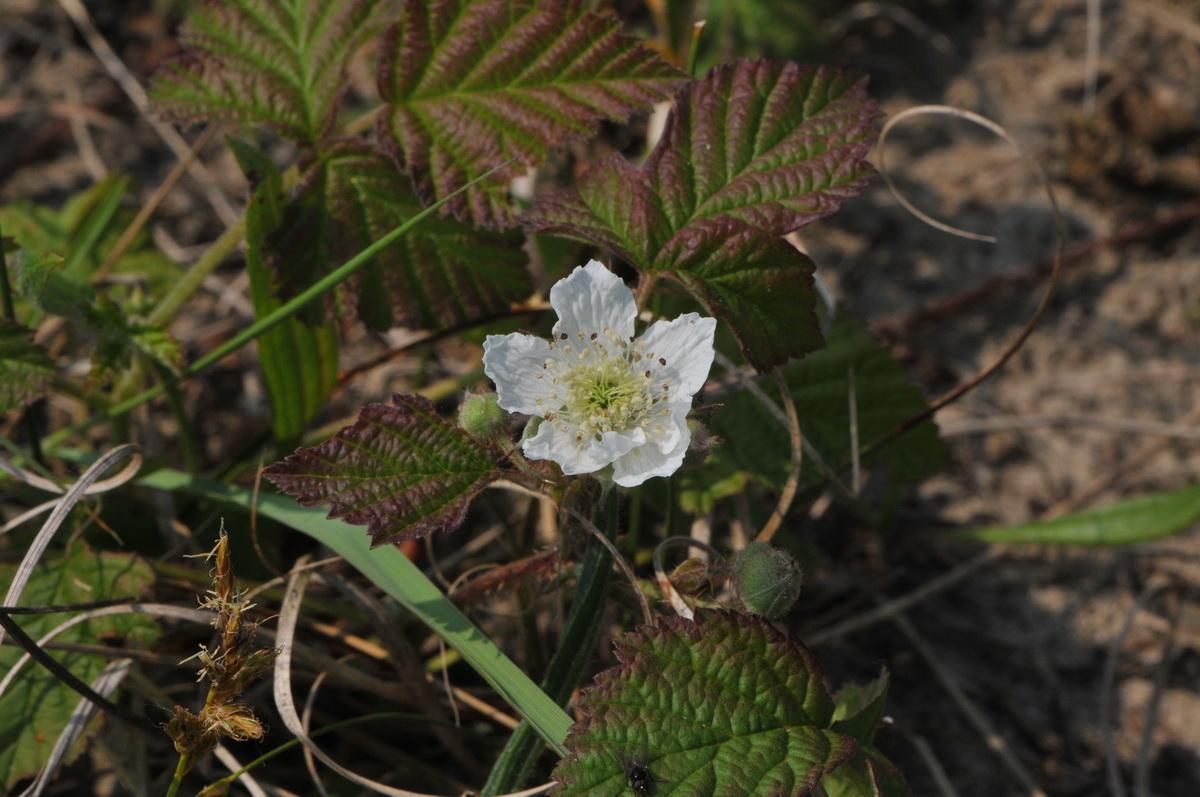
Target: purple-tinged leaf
765 146
442 273
723 704
278 63
401 470
773 143
756 282
612 205
473 83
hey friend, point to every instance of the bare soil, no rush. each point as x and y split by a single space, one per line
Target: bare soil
1002 679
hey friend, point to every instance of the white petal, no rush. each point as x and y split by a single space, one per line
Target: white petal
552 443
513 363
675 425
686 344
647 461
592 299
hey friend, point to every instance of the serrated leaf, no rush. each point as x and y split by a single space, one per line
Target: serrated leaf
441 274
773 143
402 470
299 361
757 283
1130 522
755 443
278 63
121 336
25 369
35 707
723 704
756 145
473 83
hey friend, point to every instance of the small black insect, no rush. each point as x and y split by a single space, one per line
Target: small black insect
641 779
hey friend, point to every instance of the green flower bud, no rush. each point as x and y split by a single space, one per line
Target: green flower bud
766 579
482 417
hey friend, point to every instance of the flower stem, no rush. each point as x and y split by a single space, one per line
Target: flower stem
583 625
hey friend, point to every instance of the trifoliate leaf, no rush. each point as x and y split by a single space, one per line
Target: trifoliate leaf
723 704
402 470
442 273
36 706
25 369
767 146
756 443
278 63
473 83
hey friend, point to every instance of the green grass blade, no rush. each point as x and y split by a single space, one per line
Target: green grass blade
1137 520
392 572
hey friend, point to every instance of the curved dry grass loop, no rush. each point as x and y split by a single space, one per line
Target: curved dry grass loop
289 614
793 480
1051 284
64 506
105 684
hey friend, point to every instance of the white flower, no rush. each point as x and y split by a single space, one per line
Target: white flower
606 398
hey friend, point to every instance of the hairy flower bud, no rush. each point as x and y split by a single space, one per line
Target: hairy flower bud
767 579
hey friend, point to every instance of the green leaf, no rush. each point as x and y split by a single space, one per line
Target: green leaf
724 704
440 274
83 232
755 443
25 369
299 362
763 146
763 28
402 470
473 83
35 707
868 774
859 708
1137 520
279 63
122 335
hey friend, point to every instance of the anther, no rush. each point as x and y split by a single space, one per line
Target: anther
662 361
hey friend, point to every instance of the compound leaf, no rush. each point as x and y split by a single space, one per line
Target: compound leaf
761 145
442 273
754 442
278 63
723 704
473 83
25 369
35 707
402 470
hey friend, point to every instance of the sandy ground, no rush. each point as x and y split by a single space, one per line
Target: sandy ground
1041 665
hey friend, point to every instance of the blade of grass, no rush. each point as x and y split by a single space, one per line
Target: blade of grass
286 311
392 572
1137 520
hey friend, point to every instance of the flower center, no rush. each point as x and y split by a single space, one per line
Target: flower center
604 384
